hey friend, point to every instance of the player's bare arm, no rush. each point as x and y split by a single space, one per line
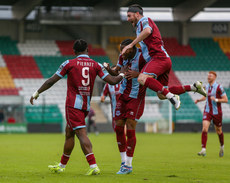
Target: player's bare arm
223 99
45 86
200 100
112 80
102 98
144 34
112 71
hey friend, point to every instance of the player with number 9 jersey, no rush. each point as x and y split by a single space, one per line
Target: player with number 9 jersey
82 72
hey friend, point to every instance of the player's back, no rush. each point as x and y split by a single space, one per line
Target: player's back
81 74
152 46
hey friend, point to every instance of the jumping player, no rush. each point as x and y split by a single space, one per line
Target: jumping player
113 92
155 73
213 111
130 105
81 73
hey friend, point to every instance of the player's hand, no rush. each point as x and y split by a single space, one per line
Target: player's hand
106 66
126 48
34 96
102 98
130 74
213 98
196 101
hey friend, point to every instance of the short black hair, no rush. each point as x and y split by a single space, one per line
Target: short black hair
126 42
135 8
80 45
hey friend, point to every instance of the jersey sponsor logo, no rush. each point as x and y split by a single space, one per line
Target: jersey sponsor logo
118 113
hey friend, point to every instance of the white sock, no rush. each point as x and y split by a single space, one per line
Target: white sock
222 147
193 88
203 149
128 161
169 95
123 156
93 166
61 165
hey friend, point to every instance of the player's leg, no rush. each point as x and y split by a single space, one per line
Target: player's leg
217 120
221 140
86 147
131 143
121 139
196 87
156 68
120 127
204 136
180 89
134 110
68 147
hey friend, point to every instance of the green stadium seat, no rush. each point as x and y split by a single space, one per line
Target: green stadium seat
8 46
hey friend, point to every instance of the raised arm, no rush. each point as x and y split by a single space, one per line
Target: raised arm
45 86
200 100
144 34
114 71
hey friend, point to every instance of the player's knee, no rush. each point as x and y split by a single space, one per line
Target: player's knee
218 130
119 123
131 124
204 129
141 79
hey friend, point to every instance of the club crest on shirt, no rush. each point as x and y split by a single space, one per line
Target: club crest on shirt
118 113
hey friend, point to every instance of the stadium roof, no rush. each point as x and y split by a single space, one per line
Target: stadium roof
144 3
101 11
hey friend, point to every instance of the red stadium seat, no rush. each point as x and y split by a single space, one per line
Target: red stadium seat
22 66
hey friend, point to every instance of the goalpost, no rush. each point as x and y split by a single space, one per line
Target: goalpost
157 116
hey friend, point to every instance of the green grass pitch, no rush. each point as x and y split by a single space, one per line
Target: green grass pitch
158 158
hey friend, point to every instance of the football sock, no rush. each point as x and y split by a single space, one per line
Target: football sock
123 156
204 137
91 160
64 160
221 139
156 86
128 161
181 89
121 139
131 143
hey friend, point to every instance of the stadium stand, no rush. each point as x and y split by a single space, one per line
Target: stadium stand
38 47
24 66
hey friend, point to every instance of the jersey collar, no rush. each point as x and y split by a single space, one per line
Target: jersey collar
140 21
83 55
212 84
